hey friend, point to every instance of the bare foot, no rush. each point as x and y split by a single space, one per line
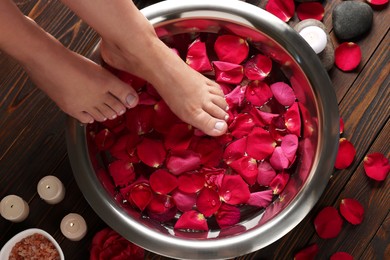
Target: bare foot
194 98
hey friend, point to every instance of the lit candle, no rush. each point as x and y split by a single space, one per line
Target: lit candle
51 189
14 208
315 37
74 227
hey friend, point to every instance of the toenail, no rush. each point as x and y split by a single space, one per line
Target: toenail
226 117
227 108
113 117
131 100
121 112
219 125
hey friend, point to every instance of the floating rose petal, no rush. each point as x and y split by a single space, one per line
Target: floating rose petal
258 67
308 253
266 173
184 201
283 9
213 177
134 81
162 182
260 199
146 99
162 208
376 166
141 195
104 139
279 182
226 88
328 223
293 120
278 128
341 126
265 118
352 211
208 202
151 152
341 256
178 137
191 182
122 172
289 146
226 72
310 10
139 119
242 125
278 159
164 117
235 150
234 190
236 96
231 48
183 161
348 56
283 93
258 93
210 151
345 154
227 215
192 220
197 57
247 168
260 144
115 125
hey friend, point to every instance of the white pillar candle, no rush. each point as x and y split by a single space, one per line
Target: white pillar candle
14 208
74 227
315 37
51 189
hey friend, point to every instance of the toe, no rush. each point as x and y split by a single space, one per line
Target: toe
84 118
210 125
125 94
115 105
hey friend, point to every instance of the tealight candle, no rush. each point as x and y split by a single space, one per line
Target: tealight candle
73 226
14 208
315 37
51 189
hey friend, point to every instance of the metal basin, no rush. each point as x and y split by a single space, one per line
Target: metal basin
318 145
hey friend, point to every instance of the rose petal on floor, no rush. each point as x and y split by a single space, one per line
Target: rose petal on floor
310 10
192 220
345 155
348 56
283 9
328 223
307 253
231 48
376 166
341 126
352 211
341 256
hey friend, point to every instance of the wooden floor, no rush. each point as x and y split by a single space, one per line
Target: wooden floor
32 144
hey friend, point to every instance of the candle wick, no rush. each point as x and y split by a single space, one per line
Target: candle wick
71 224
12 206
47 186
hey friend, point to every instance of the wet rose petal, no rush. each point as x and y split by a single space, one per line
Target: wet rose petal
258 67
376 166
179 162
104 139
162 208
293 120
348 56
378 3
227 215
236 96
258 93
164 117
265 117
283 93
141 195
226 72
178 137
132 80
191 182
260 144
352 211
246 167
341 256
234 190
260 199
278 183
278 159
197 57
242 125
192 220
208 202
184 201
307 253
231 48
139 119
283 9
151 152
310 10
162 182
265 173
328 223
341 126
289 146
345 155
235 150
122 172
209 149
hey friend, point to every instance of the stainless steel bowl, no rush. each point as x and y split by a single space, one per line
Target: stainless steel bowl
318 146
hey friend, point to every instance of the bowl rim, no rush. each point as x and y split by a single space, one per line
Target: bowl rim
7 248
237 245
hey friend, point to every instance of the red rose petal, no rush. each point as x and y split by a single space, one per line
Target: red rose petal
258 67
164 117
341 256
328 223
151 152
235 150
293 120
192 220
289 146
234 190
122 172
141 195
283 9
242 125
260 144
184 201
279 182
376 166
231 48
378 3
352 211
283 93
310 10
115 125
227 215
345 154
341 126
178 137
348 56
246 167
139 119
264 117
162 182
132 80
208 202
258 93
104 139
261 198
162 208
278 159
308 253
179 162
197 57
278 127
191 182
236 96
209 149
226 72
266 173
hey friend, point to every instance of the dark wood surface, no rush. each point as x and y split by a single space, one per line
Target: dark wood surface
32 144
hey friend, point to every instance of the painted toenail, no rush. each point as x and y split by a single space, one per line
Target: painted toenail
219 125
131 100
